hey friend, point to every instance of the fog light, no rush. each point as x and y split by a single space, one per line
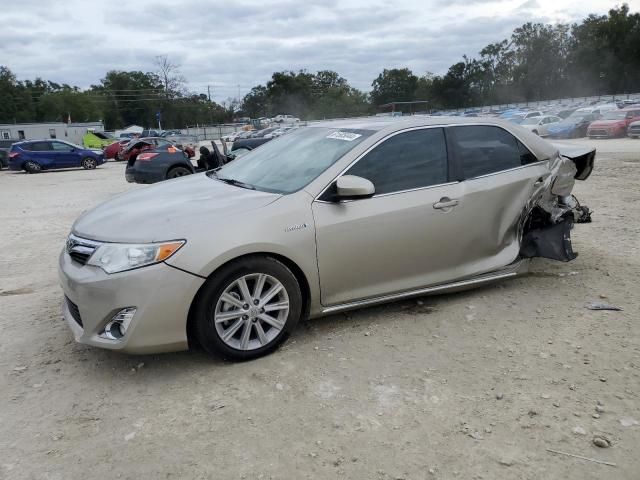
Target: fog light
118 325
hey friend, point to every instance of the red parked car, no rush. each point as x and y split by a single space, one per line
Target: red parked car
113 150
132 149
613 123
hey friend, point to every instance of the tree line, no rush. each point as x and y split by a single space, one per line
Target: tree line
121 98
598 55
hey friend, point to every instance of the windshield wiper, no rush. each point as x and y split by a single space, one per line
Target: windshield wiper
237 183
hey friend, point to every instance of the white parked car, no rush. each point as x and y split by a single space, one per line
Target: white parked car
286 119
540 125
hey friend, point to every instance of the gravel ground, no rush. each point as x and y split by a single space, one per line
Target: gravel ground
475 385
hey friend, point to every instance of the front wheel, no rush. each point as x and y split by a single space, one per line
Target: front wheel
88 163
248 308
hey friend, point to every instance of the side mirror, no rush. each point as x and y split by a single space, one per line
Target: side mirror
350 187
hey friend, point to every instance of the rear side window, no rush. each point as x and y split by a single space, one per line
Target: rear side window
408 160
483 150
38 146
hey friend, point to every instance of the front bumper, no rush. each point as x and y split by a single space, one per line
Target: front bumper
161 294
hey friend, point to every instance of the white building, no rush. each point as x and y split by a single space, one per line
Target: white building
135 129
71 132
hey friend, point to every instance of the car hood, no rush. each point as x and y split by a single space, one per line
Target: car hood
169 210
606 123
563 126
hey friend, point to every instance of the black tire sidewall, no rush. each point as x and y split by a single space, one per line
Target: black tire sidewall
206 332
169 173
29 169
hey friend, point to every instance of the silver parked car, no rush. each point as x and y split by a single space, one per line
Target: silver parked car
540 125
330 217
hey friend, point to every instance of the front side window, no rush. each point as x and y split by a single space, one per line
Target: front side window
406 161
484 149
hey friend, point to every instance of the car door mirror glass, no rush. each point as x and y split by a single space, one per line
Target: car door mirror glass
353 187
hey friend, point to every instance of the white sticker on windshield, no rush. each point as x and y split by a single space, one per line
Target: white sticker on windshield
346 136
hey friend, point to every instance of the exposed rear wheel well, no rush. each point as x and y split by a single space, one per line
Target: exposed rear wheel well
290 264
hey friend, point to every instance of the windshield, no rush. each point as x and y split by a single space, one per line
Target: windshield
290 162
614 115
577 117
530 121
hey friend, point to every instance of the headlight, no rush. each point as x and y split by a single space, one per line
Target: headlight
118 257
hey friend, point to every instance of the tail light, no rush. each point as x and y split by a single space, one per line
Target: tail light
145 157
14 154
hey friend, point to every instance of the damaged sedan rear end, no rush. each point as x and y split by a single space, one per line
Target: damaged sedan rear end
333 216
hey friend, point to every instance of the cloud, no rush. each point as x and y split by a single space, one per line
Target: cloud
237 45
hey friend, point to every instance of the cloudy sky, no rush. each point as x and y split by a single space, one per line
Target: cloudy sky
235 45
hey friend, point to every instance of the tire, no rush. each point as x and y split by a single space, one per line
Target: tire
88 163
176 172
32 167
284 309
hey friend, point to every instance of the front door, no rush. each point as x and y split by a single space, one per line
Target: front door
66 156
402 238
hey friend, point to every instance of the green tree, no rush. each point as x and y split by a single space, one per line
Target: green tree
395 85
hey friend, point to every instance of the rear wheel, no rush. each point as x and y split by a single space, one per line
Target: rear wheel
32 167
88 163
176 172
248 308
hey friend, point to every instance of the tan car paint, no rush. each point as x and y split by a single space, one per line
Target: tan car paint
349 254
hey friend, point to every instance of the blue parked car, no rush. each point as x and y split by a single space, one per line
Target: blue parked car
574 126
33 156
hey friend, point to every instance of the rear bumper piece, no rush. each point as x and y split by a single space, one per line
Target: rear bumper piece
132 175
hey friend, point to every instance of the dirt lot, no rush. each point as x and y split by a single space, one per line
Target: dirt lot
476 385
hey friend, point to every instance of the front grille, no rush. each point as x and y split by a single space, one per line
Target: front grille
80 257
74 310
598 132
80 249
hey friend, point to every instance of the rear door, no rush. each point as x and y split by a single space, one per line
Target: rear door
404 236
498 176
41 152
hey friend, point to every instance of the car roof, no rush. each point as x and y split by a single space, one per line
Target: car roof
539 147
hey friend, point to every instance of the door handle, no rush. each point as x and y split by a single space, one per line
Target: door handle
445 202
539 182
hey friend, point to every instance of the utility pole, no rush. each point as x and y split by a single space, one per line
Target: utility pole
209 91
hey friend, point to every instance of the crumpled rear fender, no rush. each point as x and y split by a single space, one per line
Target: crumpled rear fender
552 209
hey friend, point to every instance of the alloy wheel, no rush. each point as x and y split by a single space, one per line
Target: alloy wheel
251 312
88 163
